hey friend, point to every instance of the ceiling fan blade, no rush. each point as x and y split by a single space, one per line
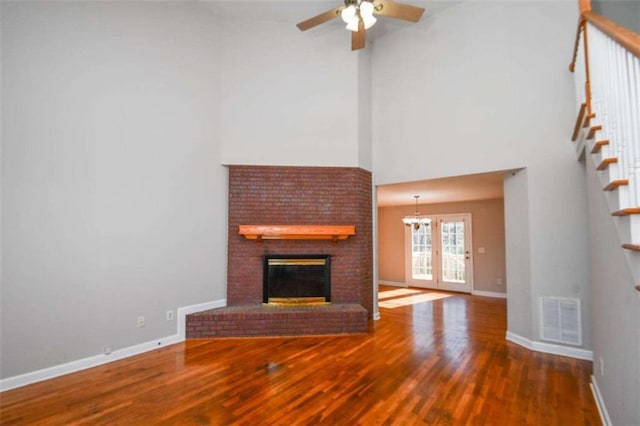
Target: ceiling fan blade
398 10
358 38
320 19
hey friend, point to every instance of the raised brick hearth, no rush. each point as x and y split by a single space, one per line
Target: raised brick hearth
267 195
252 321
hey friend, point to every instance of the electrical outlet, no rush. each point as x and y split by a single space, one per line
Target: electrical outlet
169 315
499 281
140 322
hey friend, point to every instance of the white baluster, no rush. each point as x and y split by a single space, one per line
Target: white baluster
625 125
616 99
604 87
634 119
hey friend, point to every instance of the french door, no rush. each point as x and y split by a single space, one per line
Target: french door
438 254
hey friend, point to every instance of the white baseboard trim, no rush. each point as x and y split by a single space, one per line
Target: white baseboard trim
489 294
83 364
186 310
376 316
550 348
602 409
96 360
393 283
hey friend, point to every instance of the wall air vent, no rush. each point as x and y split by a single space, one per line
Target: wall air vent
560 320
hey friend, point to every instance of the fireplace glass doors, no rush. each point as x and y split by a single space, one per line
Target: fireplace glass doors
297 279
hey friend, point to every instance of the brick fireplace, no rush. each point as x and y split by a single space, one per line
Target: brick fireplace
274 195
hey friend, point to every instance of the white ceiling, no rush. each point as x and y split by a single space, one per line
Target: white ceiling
290 12
483 186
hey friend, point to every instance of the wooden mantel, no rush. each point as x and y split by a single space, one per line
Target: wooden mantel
297 232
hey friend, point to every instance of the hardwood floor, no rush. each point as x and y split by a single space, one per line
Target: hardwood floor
433 358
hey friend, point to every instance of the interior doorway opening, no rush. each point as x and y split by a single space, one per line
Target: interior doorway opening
464 253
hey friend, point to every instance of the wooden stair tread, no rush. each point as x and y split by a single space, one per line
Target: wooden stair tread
598 146
613 185
605 163
626 212
588 119
593 130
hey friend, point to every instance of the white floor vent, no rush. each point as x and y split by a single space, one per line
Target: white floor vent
560 320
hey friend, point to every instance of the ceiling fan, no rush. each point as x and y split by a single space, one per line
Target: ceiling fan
358 15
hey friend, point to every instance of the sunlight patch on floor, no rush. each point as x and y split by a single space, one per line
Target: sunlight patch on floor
395 293
412 299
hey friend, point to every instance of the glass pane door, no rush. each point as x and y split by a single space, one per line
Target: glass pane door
455 265
438 254
453 262
421 253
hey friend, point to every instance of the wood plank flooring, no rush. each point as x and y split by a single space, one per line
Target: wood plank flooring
433 358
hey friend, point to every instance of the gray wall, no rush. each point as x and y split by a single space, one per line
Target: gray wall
290 97
616 309
113 196
518 253
622 12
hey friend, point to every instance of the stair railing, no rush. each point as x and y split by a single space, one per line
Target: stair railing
616 97
606 67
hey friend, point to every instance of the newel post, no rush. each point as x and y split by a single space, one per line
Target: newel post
585 6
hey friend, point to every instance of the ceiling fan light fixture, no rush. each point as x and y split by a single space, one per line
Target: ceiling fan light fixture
353 25
366 13
348 14
368 22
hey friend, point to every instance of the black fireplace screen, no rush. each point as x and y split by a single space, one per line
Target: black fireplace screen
297 278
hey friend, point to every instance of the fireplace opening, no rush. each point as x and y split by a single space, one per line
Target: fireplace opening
297 279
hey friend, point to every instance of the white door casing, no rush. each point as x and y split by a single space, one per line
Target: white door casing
439 255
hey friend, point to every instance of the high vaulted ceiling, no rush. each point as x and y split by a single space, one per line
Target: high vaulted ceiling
290 12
